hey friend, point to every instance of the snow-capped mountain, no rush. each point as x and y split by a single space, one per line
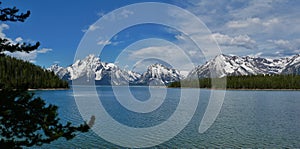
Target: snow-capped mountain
158 74
91 68
224 65
293 67
59 71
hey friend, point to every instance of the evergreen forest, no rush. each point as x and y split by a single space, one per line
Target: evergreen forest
244 82
15 73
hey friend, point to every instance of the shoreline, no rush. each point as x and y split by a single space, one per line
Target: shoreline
240 89
47 89
245 89
43 89
223 89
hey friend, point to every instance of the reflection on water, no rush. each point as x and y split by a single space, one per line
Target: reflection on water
247 118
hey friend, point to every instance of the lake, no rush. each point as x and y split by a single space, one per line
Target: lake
247 118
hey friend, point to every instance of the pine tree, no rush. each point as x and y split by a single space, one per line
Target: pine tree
26 120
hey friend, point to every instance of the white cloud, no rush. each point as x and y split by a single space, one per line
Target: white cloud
155 51
253 8
271 22
104 42
3 27
126 13
259 54
238 41
31 56
44 50
243 23
92 27
118 15
249 22
19 39
167 53
280 42
281 47
260 20
293 45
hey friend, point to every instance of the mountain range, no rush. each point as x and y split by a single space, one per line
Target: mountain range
225 65
92 68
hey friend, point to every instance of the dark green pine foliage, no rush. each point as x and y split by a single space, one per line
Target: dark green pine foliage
16 73
264 82
13 15
245 82
27 121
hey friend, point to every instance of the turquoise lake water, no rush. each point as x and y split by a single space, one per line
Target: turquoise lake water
247 118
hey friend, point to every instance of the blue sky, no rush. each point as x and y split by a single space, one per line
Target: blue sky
268 28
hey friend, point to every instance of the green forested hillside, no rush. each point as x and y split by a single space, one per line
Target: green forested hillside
246 82
16 73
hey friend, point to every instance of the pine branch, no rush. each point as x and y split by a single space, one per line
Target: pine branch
10 14
6 45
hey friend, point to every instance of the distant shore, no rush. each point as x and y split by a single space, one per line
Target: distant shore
245 89
47 89
44 89
239 89
230 89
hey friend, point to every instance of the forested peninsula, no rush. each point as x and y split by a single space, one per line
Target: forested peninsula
16 74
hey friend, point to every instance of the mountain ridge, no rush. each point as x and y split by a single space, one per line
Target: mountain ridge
92 68
225 65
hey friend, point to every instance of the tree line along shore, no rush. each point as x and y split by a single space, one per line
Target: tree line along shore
16 74
243 82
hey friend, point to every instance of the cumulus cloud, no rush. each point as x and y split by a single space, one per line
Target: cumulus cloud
170 54
164 52
285 47
238 41
30 56
260 20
